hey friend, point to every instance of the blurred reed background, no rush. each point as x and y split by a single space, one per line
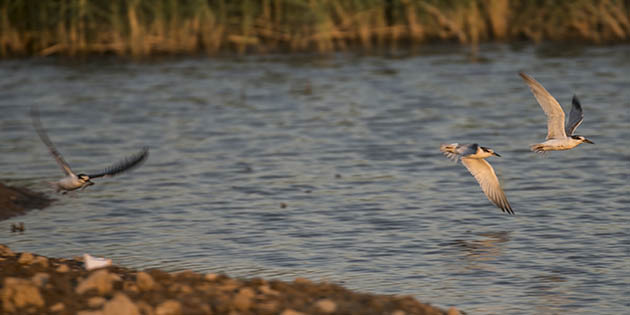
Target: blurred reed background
150 27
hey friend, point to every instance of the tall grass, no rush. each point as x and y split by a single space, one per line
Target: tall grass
146 27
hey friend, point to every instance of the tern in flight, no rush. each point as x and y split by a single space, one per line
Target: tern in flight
473 157
74 181
559 136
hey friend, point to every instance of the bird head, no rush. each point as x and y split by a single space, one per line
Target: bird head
85 179
488 150
582 139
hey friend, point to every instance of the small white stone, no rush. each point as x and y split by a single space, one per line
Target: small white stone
92 262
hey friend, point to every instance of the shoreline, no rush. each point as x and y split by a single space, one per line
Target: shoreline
34 284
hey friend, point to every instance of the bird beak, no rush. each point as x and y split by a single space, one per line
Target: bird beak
588 141
496 154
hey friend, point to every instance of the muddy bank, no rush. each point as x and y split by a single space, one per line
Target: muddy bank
32 284
16 201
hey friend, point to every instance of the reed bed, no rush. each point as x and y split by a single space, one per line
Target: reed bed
148 27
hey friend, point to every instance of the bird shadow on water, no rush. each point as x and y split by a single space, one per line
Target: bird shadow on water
480 248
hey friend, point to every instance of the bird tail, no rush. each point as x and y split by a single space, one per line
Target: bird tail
450 151
55 186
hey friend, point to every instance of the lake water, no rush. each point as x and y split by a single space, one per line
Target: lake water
328 168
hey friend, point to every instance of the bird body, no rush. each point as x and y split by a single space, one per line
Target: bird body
473 158
556 145
72 182
559 136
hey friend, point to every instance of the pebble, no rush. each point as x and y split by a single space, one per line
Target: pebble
291 312
266 289
18 293
170 307
144 281
181 288
26 259
58 307
211 276
89 313
453 311
43 261
96 302
6 251
300 280
101 280
120 305
40 279
398 312
63 268
186 274
249 292
326 305
243 300
130 287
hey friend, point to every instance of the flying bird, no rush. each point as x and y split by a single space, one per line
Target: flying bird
73 181
473 157
559 136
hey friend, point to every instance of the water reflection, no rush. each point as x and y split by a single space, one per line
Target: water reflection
550 292
480 253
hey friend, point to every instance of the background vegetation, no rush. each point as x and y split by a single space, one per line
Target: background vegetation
147 27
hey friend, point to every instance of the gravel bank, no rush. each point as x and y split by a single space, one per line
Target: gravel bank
33 284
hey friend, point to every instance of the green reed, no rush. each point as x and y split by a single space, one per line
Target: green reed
144 27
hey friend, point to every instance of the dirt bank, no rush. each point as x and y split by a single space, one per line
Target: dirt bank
33 284
16 201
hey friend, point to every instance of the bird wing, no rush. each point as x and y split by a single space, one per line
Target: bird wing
124 165
484 174
454 150
41 132
467 149
576 116
551 107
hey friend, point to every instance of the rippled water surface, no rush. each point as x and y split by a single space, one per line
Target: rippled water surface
328 168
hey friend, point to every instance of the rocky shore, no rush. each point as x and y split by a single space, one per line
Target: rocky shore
33 284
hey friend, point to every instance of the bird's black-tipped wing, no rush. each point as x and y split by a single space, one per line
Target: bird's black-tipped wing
551 107
41 132
575 117
124 165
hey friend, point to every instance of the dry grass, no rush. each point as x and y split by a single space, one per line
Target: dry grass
144 27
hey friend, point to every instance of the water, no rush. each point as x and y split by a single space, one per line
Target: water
349 144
